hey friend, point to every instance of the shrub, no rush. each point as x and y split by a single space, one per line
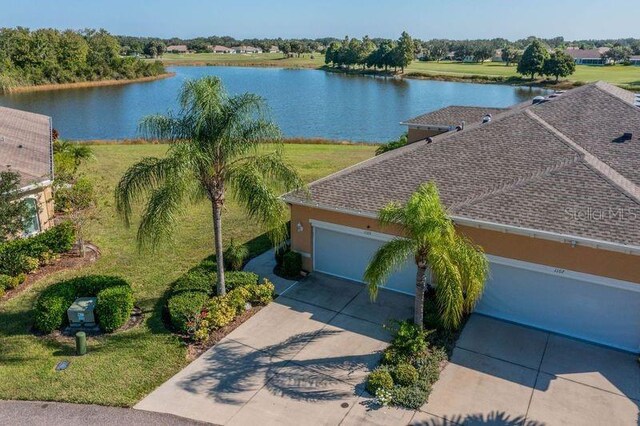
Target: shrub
197 280
404 374
16 255
8 282
219 312
292 264
261 294
280 252
380 378
409 340
184 308
235 255
113 307
238 298
51 307
237 279
59 239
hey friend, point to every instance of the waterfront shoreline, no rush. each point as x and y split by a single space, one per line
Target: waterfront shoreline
85 84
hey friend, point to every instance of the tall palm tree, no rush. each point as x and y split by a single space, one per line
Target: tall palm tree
458 268
219 144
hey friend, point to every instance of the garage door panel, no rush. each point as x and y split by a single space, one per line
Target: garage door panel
582 309
348 256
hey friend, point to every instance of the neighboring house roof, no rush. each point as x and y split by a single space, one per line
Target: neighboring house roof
452 116
221 49
560 166
25 145
177 48
587 53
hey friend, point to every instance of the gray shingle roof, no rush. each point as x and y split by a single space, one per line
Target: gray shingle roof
25 145
452 116
527 168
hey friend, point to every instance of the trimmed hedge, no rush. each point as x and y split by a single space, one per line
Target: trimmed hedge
191 292
185 307
24 254
292 264
113 307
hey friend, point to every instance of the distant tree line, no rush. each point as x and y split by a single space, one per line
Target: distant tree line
366 54
51 56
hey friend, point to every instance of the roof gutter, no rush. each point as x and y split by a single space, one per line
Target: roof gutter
38 185
439 127
573 240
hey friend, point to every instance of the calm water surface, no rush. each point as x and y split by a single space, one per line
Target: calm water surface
305 103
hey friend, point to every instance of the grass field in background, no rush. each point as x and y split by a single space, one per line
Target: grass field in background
122 368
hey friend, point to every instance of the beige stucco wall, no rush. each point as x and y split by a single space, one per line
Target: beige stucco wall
44 197
559 255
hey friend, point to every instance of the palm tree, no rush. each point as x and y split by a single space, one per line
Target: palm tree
219 144
76 152
458 268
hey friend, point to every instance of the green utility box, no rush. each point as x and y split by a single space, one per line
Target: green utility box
81 313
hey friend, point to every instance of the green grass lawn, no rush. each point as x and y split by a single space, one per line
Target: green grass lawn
122 368
261 59
619 74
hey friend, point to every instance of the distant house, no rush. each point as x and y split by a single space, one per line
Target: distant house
274 49
247 49
26 147
177 48
447 119
221 49
635 60
588 56
497 56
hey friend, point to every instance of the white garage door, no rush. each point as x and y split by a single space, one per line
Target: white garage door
588 307
346 252
593 308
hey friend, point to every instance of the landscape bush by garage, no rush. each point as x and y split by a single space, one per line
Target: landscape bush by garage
24 255
291 264
191 292
113 307
410 367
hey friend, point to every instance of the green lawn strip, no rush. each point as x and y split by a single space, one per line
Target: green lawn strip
122 368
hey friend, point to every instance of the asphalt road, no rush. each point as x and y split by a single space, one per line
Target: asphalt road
18 413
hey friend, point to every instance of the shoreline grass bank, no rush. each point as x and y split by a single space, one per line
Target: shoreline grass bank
85 84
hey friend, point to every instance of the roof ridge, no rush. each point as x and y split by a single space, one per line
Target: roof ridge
617 179
520 181
605 87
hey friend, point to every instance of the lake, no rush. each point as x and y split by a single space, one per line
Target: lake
305 103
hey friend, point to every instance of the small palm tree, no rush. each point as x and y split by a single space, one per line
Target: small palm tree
217 146
458 268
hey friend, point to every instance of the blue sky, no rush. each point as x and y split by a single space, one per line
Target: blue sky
512 19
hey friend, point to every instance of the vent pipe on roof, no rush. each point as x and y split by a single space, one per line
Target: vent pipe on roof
486 119
637 102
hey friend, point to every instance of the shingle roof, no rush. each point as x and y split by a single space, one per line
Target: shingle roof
586 53
451 116
551 167
25 145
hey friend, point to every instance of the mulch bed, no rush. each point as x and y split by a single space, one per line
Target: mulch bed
67 261
195 349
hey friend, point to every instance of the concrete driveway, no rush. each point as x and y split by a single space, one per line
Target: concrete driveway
504 374
302 359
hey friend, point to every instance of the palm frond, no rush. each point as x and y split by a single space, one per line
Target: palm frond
254 193
275 170
162 212
474 270
389 258
164 127
144 176
449 294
